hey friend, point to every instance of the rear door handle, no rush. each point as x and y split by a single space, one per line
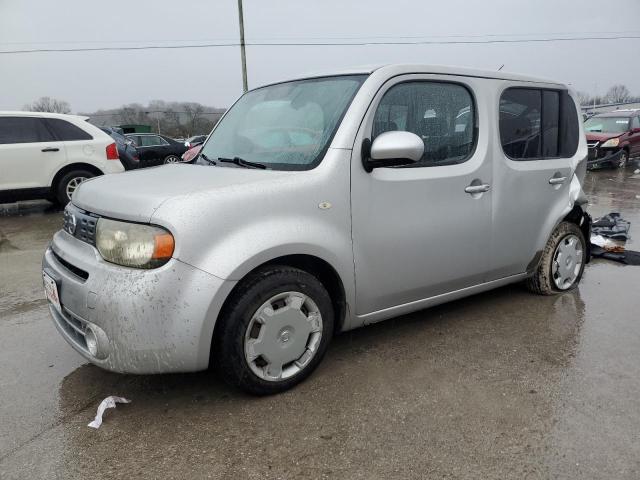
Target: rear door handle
557 180
485 187
50 149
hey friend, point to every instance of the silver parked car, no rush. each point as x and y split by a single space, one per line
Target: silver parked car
321 205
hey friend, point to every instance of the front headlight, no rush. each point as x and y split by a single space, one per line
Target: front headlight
612 142
133 244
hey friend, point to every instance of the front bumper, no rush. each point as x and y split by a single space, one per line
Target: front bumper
145 321
599 157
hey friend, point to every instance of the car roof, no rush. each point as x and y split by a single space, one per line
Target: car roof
399 69
18 113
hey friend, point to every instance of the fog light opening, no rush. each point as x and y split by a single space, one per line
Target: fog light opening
92 342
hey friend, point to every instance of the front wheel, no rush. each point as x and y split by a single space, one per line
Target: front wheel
624 159
562 262
274 331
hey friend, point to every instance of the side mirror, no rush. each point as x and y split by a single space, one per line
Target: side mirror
635 130
393 149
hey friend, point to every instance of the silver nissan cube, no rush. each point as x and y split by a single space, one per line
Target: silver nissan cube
317 206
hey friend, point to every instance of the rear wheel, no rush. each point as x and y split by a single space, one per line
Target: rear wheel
171 159
562 263
68 184
274 330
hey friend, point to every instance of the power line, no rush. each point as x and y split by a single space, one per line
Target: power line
322 44
261 39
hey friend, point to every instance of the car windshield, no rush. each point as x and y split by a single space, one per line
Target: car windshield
287 126
607 124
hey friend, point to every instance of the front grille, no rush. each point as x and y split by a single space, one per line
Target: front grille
80 224
592 143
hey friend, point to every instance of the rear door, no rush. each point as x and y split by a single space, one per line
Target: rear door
80 145
536 141
28 152
152 149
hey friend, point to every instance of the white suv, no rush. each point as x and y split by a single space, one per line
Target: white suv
47 155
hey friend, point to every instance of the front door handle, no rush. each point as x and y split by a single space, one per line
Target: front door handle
557 180
485 187
50 149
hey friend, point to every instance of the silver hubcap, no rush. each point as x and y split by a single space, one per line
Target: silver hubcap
623 160
73 184
283 336
567 261
171 159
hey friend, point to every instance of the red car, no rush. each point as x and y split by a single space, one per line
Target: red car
613 138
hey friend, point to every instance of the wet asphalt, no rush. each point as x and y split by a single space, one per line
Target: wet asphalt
501 385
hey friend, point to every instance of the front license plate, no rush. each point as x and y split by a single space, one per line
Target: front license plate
51 290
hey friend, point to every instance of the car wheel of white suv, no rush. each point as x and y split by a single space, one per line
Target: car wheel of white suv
69 183
562 262
274 330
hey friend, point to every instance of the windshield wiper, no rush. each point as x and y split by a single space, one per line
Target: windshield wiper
242 163
206 159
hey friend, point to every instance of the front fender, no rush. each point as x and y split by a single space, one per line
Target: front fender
239 252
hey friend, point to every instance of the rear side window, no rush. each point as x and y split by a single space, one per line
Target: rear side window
537 124
23 130
442 114
67 131
151 141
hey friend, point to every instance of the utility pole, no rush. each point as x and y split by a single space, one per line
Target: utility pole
242 52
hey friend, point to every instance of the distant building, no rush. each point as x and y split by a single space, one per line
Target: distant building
135 128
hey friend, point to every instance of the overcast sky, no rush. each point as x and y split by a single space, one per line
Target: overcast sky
212 76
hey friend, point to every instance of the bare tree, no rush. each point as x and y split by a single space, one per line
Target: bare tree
176 119
194 113
618 94
48 104
584 98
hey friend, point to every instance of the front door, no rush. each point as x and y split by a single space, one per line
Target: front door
420 231
29 153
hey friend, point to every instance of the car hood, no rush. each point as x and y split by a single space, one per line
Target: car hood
137 194
600 136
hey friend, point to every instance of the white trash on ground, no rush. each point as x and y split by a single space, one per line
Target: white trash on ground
109 402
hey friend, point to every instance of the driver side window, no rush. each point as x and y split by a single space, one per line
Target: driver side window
442 114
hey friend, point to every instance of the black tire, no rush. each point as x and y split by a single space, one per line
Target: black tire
624 159
254 291
171 159
60 189
542 281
